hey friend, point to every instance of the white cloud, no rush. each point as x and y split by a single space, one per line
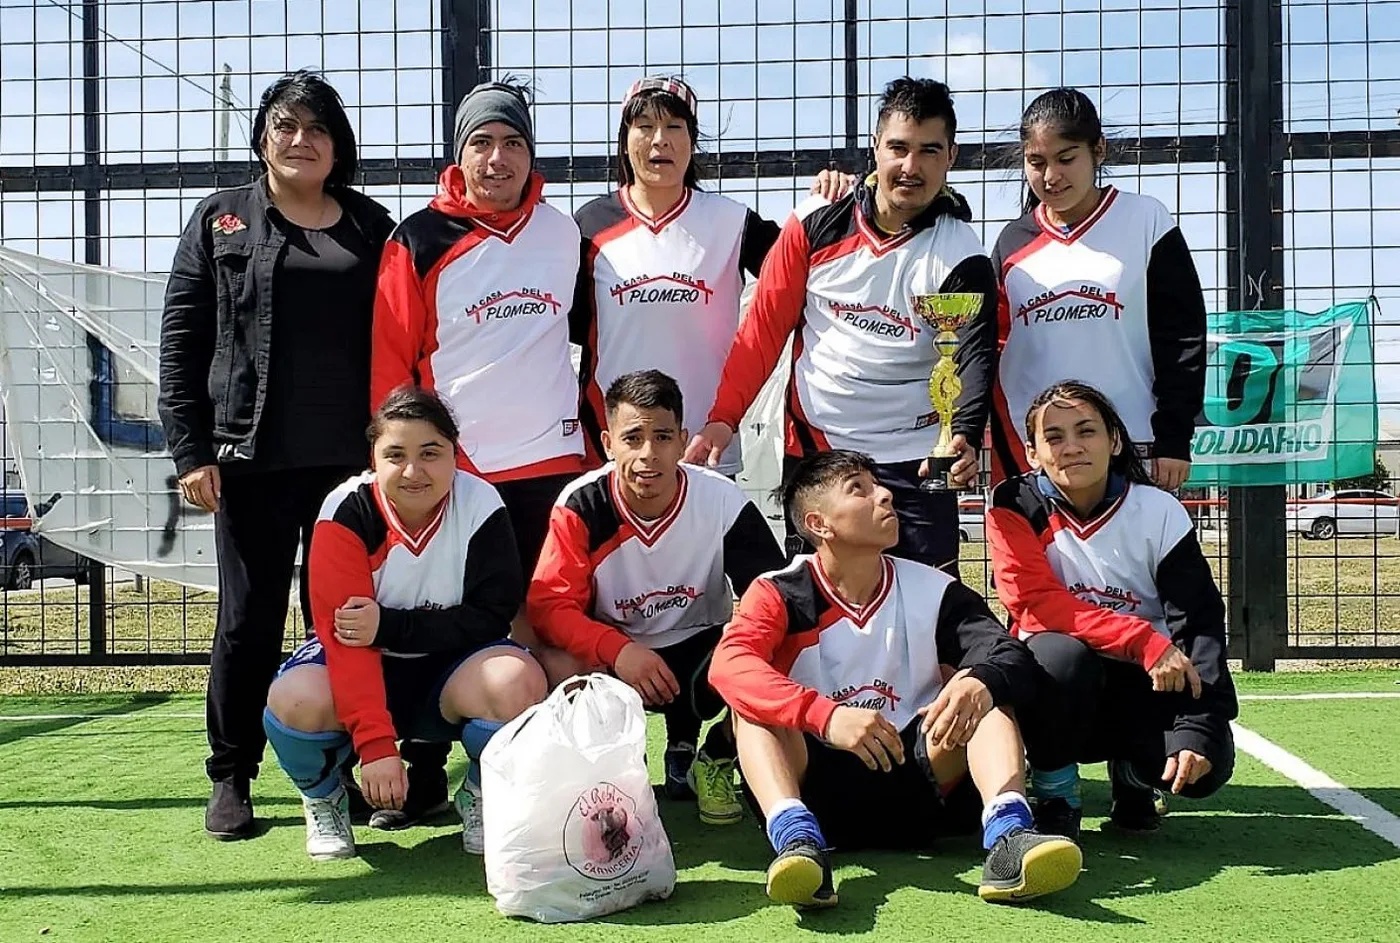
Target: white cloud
966 64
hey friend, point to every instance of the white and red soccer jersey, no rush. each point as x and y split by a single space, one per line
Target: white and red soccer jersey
1129 581
861 356
476 306
607 577
796 650
663 295
1114 302
451 587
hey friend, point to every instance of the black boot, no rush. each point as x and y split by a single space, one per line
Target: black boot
229 815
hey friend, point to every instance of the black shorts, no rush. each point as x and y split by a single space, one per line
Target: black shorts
928 520
412 689
904 809
689 661
528 502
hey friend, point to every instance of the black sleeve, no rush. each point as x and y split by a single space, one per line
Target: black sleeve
969 636
750 549
1176 329
493 589
977 347
759 236
581 314
187 329
1195 615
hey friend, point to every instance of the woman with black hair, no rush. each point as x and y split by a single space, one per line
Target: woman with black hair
1102 575
1096 283
264 392
664 261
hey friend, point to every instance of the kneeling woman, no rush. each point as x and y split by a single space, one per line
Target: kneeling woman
1101 573
414 581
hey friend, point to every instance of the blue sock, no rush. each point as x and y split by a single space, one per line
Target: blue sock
311 760
791 820
1006 812
1062 783
475 735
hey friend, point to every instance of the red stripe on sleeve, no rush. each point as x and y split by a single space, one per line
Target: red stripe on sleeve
561 594
400 324
340 568
1038 602
744 668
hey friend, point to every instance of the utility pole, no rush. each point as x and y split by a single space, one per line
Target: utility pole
225 106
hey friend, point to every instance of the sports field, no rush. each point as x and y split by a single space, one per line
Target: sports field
100 840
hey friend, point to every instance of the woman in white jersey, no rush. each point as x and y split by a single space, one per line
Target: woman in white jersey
1102 575
1096 283
664 261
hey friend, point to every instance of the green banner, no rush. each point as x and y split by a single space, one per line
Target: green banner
1290 397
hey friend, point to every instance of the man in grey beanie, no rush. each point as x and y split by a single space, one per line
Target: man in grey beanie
473 301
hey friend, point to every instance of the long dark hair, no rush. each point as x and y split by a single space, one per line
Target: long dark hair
1067 112
413 404
660 103
307 89
1127 462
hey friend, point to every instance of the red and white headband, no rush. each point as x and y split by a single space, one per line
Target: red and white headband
673 86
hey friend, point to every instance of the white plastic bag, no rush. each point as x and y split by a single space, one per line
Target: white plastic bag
571 826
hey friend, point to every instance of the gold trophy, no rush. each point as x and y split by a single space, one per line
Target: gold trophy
946 313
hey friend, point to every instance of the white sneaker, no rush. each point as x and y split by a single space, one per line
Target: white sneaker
468 804
328 832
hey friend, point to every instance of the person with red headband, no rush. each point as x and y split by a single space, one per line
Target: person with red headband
473 302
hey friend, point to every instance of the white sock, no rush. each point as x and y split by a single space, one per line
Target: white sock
1002 801
782 805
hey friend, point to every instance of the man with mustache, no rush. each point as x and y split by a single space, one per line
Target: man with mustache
841 276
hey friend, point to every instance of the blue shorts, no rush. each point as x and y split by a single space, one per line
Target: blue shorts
412 687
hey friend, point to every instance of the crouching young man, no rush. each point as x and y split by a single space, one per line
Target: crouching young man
871 700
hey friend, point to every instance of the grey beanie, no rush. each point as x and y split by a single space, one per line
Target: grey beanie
492 101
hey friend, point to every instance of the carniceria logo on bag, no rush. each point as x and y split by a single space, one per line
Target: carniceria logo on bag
602 835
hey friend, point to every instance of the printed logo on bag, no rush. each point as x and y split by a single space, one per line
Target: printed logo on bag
1115 598
1084 303
657 601
676 288
505 305
602 834
875 696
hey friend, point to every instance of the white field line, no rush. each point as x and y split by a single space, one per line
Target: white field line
1376 820
1333 696
132 715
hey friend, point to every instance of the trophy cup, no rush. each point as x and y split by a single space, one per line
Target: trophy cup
946 313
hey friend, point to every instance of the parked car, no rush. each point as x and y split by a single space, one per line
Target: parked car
972 518
24 555
1353 512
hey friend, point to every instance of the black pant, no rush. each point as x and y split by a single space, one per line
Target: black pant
1094 708
928 520
262 519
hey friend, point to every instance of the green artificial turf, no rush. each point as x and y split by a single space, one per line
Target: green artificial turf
101 840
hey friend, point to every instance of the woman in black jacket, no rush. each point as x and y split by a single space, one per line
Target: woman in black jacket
264 391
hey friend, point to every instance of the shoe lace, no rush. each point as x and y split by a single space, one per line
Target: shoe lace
719 780
325 816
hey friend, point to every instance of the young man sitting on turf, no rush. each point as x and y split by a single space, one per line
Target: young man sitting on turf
632 580
871 701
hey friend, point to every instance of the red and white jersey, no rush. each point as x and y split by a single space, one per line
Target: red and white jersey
607 577
664 295
861 356
476 306
796 649
443 590
1115 301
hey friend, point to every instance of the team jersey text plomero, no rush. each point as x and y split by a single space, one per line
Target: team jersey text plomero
476 306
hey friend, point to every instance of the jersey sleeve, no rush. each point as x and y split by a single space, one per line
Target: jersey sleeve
759 237
492 591
339 568
750 548
773 314
1176 328
969 636
977 348
1038 602
561 594
400 322
743 674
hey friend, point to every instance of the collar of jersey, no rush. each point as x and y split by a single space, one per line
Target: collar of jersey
1117 487
1106 199
451 199
948 203
661 222
415 542
860 615
649 532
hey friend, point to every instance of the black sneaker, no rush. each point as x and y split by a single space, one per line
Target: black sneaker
427 797
679 756
1057 817
801 876
1024 864
1134 810
229 815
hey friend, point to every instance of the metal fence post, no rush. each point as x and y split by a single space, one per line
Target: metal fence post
466 57
1258 561
92 255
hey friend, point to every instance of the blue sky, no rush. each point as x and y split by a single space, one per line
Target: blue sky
769 76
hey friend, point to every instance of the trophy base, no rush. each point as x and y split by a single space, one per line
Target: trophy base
940 468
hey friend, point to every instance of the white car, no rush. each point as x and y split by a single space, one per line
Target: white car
1353 512
972 518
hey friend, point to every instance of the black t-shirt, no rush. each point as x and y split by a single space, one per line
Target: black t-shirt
317 402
